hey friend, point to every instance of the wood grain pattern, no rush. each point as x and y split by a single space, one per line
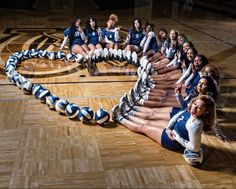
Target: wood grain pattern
41 149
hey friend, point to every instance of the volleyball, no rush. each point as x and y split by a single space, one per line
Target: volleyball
26 54
18 55
43 94
20 80
61 55
36 88
72 110
79 58
86 114
10 67
27 87
60 105
70 57
34 53
102 117
52 55
51 101
193 158
43 53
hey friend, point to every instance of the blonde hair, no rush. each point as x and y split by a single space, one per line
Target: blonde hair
114 18
209 117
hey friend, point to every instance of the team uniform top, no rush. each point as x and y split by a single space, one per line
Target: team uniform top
153 45
109 35
135 37
187 132
92 36
79 37
168 50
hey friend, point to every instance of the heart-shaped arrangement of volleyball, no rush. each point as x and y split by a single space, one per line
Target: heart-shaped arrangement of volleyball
62 106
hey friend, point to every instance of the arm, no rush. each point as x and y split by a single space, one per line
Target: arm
107 40
116 31
99 34
180 101
188 81
147 42
64 42
173 121
185 75
194 127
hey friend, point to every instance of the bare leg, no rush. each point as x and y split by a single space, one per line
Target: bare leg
155 104
153 132
85 47
91 47
77 49
153 115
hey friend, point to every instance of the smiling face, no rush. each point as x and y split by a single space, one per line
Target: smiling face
202 86
180 39
136 24
173 35
186 47
77 22
92 23
162 34
110 24
148 28
198 108
190 55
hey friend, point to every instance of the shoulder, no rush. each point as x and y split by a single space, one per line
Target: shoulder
67 31
195 122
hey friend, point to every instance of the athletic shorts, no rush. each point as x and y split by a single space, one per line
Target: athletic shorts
174 111
169 144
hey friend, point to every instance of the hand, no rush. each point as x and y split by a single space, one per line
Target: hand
118 28
183 65
99 31
170 134
178 88
80 29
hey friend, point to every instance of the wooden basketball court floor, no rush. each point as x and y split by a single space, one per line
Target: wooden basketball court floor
41 149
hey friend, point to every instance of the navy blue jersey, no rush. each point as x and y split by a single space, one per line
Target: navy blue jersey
153 45
92 36
194 83
77 37
180 127
135 37
109 34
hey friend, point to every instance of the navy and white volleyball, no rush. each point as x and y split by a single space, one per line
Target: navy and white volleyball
193 158
72 110
60 105
102 117
51 101
86 114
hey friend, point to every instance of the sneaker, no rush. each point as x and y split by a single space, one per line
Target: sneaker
133 96
114 54
116 114
124 98
106 54
119 55
111 54
124 55
139 70
138 84
124 108
128 56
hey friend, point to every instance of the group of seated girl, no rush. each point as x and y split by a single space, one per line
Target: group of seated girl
101 42
175 97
